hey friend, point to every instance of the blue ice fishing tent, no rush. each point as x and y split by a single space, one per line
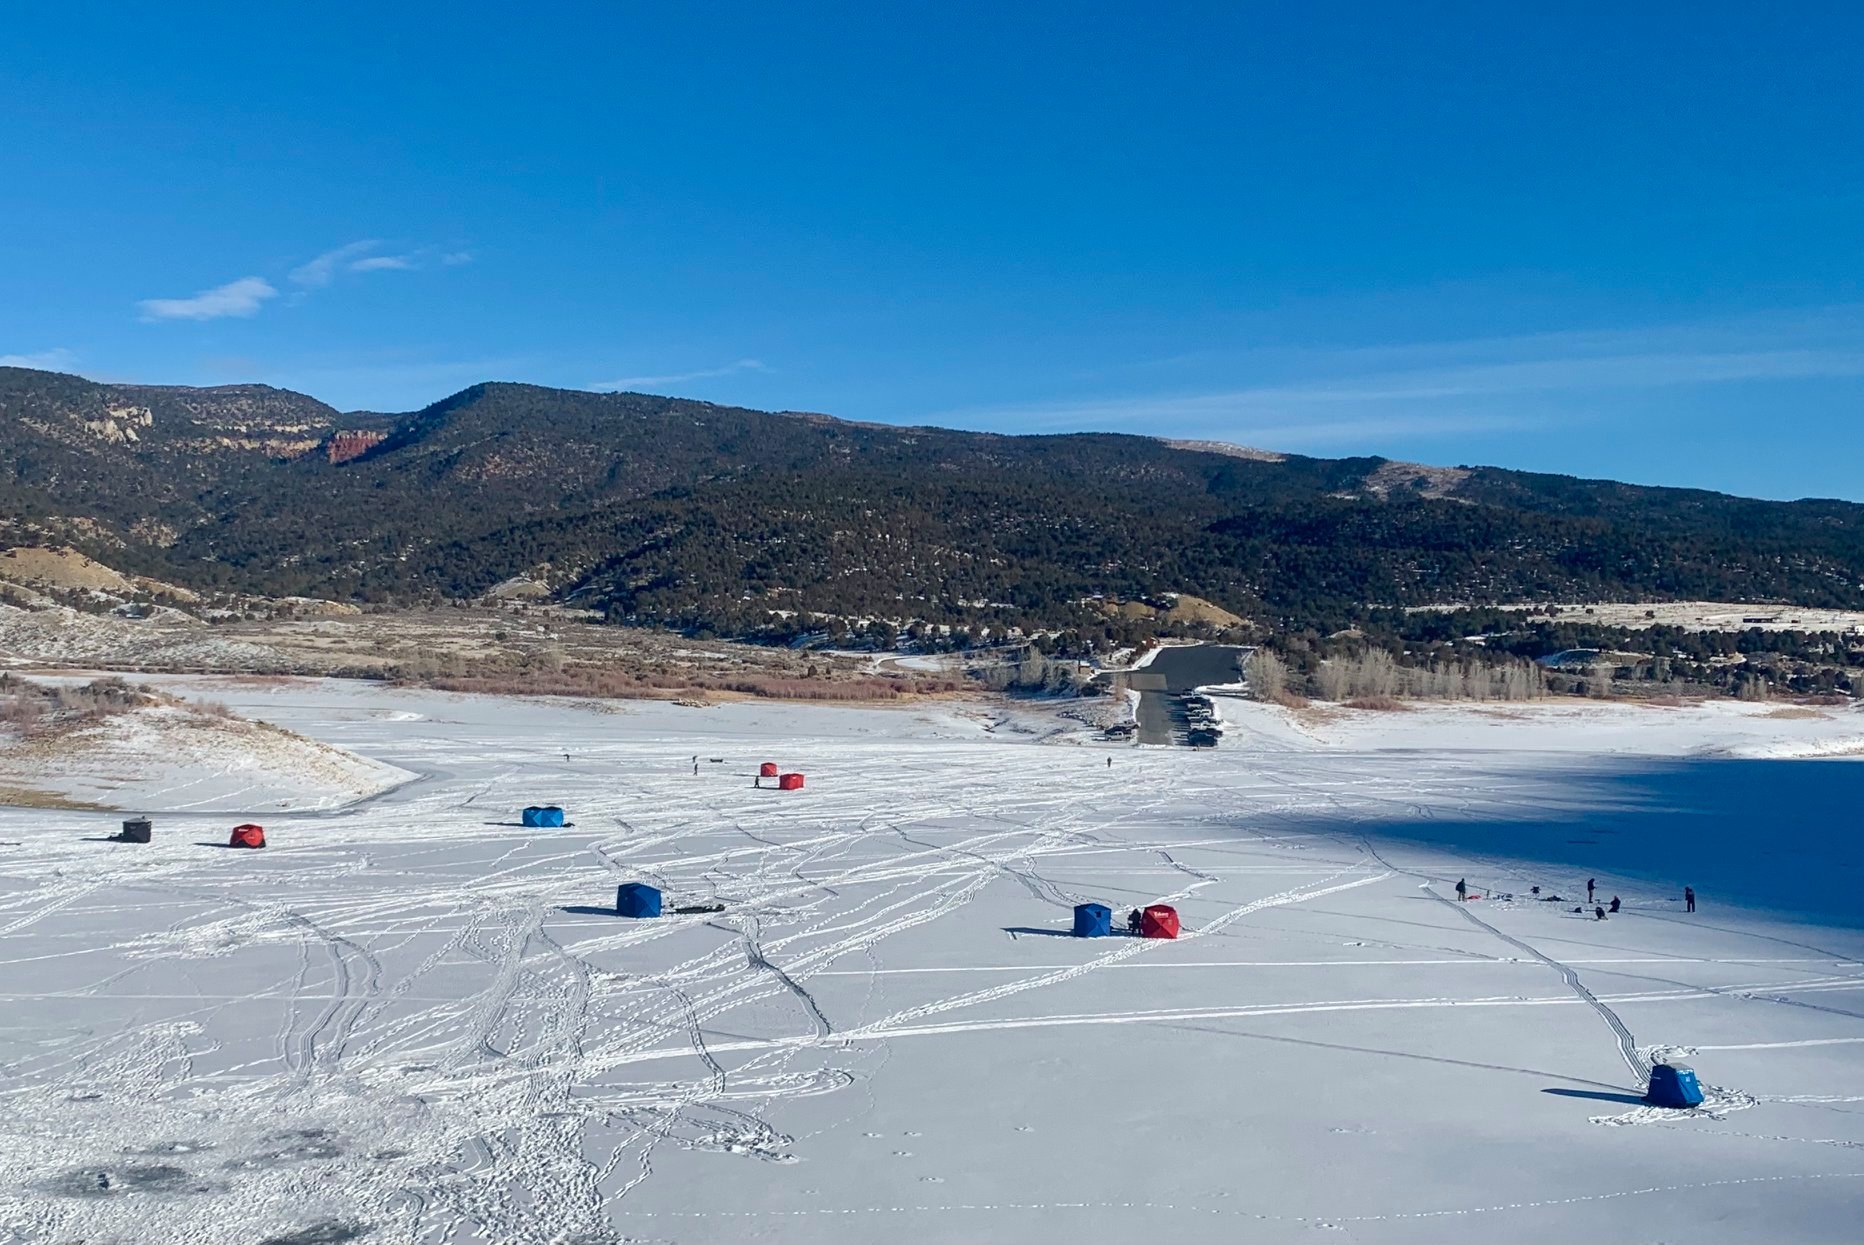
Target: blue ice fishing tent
1092 920
637 899
545 815
1673 1085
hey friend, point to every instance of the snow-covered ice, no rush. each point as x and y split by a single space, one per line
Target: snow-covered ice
413 1019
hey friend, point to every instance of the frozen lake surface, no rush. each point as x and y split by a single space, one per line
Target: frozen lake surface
413 1020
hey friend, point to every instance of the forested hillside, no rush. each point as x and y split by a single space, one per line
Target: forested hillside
742 522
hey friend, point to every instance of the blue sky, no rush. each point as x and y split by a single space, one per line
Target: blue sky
1614 240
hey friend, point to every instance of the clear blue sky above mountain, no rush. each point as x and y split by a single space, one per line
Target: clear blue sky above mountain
1621 240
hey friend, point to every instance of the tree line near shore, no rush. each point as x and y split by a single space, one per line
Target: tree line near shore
1490 654
1374 678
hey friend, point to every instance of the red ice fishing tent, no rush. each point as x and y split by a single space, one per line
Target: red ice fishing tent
790 782
247 835
1159 921
767 770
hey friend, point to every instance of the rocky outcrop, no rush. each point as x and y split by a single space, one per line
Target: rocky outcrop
120 423
343 446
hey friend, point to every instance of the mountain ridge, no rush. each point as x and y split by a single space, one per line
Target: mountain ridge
698 515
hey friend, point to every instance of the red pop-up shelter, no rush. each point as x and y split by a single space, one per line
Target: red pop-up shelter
767 770
790 782
1159 921
247 835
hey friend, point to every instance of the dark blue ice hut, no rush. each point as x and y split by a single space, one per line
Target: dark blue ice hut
544 815
637 899
1092 920
1673 1085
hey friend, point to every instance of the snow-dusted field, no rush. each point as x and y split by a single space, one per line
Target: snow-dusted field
414 1021
1695 615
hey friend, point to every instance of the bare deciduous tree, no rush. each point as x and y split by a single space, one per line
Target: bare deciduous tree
1267 675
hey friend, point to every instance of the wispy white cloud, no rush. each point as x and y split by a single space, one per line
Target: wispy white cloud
241 298
319 272
55 360
679 378
1313 397
358 257
1358 433
1633 371
245 296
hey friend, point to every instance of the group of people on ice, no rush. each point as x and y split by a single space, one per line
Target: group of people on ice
1592 885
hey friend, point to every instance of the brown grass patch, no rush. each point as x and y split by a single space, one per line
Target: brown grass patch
1794 714
31 710
624 685
32 797
1380 704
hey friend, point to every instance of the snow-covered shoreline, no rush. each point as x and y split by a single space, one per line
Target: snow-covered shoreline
1716 727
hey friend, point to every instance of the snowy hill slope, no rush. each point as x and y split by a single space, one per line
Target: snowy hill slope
172 757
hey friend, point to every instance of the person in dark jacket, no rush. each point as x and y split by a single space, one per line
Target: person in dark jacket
1133 921
1614 903
1689 899
1598 913
1590 883
1462 889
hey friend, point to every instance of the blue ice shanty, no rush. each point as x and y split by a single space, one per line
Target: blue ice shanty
543 815
637 899
1673 1085
1092 920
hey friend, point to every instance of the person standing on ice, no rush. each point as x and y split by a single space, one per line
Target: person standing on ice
1590 883
1462 890
1689 899
1133 922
